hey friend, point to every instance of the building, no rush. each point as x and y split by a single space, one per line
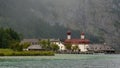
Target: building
31 41
100 48
82 43
34 44
35 48
85 46
59 43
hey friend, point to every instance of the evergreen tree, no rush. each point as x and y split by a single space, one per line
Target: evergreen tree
7 36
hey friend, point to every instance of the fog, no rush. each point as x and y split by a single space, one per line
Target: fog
96 17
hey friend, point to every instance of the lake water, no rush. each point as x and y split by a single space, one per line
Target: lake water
62 61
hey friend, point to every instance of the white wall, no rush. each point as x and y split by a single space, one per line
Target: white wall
68 36
82 47
61 46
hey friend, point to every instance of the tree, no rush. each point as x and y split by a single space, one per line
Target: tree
16 46
4 38
13 35
25 45
54 47
68 46
75 48
7 36
46 44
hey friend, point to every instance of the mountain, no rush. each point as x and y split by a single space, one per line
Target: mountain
99 19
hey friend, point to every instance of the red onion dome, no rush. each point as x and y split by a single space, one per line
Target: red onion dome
82 33
69 33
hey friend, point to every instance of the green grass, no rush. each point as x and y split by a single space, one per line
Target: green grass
9 52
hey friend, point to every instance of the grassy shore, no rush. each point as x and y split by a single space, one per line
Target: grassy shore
9 52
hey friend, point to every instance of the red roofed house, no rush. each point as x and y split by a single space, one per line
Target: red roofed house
82 43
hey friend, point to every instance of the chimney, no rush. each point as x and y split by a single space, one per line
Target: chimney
82 35
68 35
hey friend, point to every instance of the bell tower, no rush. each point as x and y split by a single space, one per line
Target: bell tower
69 35
82 35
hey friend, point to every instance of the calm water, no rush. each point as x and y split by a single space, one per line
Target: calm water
62 61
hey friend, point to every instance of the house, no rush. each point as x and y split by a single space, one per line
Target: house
31 41
82 43
34 44
59 43
100 48
35 48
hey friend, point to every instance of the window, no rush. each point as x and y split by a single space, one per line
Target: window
108 48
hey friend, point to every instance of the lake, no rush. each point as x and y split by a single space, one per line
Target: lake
61 61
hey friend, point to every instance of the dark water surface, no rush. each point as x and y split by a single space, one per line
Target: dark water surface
61 61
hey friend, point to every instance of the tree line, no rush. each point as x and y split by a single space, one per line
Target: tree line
9 38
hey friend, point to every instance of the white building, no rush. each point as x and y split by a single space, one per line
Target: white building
59 43
82 43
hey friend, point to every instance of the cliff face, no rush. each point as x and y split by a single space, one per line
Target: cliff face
100 18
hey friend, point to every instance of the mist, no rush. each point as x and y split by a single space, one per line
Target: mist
100 18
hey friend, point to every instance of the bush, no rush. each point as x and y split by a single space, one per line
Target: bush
16 46
1 54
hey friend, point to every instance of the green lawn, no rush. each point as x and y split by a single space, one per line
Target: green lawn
9 52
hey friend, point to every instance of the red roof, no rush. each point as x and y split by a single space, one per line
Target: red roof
77 41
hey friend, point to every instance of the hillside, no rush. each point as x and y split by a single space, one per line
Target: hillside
99 19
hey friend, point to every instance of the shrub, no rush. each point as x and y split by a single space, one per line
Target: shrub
1 54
